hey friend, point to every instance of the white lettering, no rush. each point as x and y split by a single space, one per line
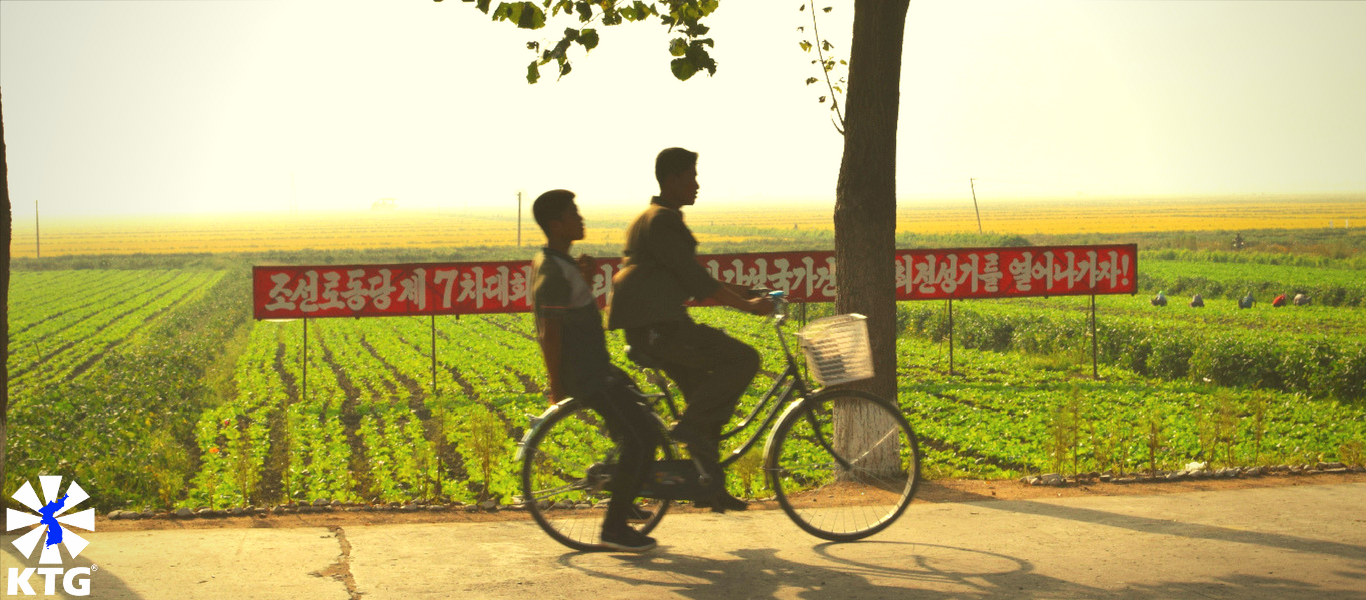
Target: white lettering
19 581
49 580
448 276
82 587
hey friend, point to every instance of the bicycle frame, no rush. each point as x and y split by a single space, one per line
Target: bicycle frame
785 388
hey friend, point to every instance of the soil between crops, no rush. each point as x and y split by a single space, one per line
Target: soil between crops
946 490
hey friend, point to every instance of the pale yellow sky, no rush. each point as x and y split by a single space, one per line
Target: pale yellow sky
163 107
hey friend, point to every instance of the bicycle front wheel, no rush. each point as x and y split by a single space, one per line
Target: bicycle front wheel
567 465
844 464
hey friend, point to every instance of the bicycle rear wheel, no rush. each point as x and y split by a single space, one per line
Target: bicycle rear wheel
567 463
844 464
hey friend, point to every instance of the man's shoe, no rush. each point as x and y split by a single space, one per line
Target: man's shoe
627 540
636 514
723 503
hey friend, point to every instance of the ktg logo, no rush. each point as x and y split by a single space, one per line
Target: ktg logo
75 582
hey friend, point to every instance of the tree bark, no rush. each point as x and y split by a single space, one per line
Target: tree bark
865 197
4 302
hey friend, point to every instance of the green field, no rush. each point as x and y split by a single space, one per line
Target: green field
153 387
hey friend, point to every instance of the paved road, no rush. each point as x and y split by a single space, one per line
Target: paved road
1274 543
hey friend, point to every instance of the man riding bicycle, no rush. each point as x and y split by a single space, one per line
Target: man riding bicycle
659 273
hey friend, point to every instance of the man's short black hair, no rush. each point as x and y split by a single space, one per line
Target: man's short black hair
550 207
673 160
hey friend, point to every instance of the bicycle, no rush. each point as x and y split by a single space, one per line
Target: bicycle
843 464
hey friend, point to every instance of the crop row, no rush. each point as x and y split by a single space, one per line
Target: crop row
1312 363
1003 414
369 426
66 347
120 427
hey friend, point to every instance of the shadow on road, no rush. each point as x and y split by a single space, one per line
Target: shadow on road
1174 528
103 584
902 570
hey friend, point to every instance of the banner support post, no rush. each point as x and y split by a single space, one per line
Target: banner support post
950 336
433 356
1095 372
303 393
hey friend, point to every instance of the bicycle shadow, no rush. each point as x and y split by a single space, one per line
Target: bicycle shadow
903 570
933 572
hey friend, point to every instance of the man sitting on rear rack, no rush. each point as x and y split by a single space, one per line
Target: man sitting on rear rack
569 329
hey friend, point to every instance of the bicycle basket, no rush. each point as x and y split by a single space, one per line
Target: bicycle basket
837 349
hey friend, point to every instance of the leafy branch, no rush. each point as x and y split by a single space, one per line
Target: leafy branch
827 65
690 49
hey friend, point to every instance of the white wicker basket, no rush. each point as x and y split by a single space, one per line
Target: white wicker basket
837 349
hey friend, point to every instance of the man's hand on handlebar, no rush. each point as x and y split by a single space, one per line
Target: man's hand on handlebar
760 306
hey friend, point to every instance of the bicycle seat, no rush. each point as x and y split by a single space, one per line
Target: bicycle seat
642 359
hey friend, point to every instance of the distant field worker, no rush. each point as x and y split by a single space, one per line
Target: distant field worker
1159 300
1247 301
1197 301
1302 300
1279 301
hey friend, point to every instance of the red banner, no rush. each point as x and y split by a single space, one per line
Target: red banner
292 292
934 274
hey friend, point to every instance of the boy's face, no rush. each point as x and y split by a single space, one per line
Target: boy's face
570 224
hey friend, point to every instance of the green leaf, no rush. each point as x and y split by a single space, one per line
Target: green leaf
483 6
825 45
533 72
679 47
532 17
810 80
682 68
585 11
827 9
589 38
806 46
565 68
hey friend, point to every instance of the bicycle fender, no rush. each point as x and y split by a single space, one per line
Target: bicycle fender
535 425
772 433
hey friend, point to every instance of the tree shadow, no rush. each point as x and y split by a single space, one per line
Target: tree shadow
902 570
103 584
1177 528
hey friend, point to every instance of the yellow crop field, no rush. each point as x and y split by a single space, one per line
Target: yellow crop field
1074 215
714 220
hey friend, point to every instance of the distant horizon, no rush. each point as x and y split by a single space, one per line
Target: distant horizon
705 205
712 222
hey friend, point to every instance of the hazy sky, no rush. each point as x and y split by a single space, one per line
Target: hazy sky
158 107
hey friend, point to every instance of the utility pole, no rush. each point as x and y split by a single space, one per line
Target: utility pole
972 183
37 241
519 219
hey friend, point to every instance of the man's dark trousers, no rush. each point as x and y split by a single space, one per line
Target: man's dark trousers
711 368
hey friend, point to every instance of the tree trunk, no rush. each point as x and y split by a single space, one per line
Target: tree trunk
4 304
865 198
